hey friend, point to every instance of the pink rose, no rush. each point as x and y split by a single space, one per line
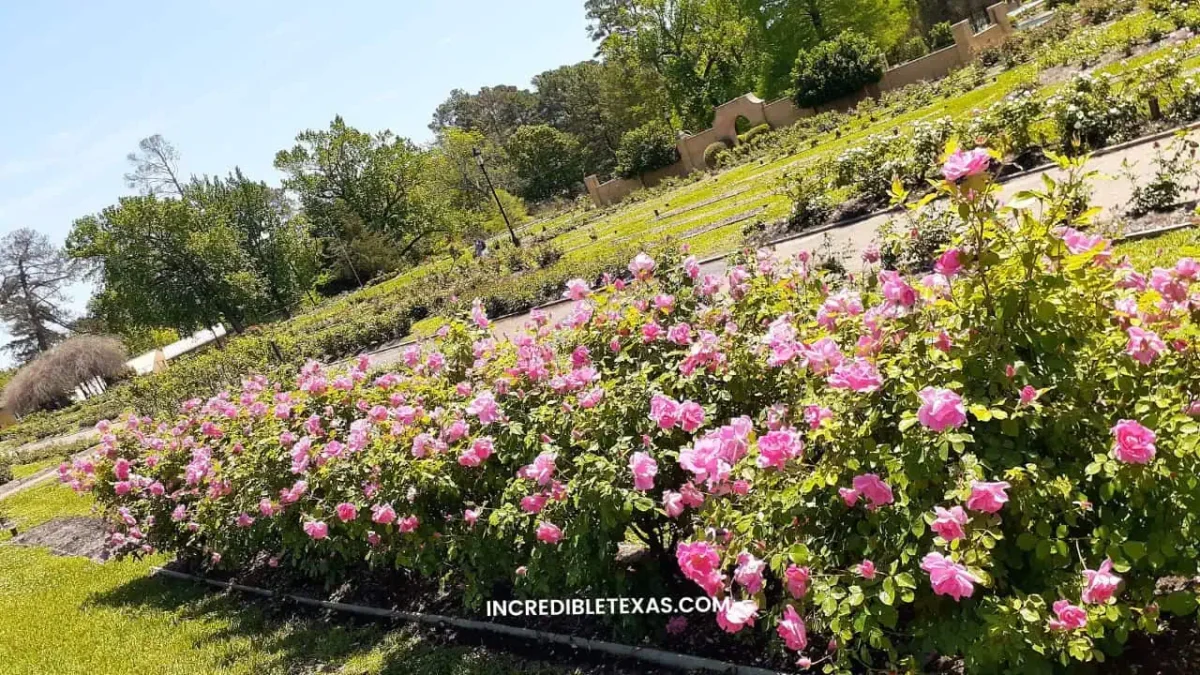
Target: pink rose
866 569
577 289
870 486
776 448
849 496
664 411
470 516
792 631
966 164
797 580
948 577
408 524
644 469
736 615
680 334
346 512
383 514
749 573
949 523
816 414
822 356
1077 242
701 563
691 416
896 290
316 529
948 264
1133 443
1100 585
1069 617
859 375
549 533
987 497
485 408
941 409
1144 345
642 266
1028 395
673 504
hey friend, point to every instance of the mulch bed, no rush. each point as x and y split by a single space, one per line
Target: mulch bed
1180 213
77 536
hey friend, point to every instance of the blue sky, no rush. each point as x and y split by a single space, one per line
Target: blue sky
230 83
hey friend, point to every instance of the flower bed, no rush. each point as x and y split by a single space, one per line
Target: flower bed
994 462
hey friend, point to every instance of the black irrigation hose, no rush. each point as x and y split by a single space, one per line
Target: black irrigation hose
648 654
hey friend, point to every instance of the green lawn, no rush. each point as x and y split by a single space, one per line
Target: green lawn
63 615
1161 251
25 470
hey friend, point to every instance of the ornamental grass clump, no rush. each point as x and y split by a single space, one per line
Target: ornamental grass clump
994 461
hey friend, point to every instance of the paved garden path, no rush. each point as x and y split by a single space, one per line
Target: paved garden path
13 487
1111 192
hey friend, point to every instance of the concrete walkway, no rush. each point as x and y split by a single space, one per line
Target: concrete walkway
1111 192
13 487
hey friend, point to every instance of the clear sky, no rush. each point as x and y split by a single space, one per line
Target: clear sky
232 82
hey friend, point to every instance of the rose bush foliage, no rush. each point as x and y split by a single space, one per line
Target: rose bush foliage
996 460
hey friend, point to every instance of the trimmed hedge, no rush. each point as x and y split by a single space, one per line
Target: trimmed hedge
711 158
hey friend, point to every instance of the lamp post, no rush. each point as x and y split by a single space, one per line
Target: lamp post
479 161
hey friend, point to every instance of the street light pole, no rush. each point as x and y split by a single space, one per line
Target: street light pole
479 161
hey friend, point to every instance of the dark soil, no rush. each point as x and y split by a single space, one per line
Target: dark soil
77 536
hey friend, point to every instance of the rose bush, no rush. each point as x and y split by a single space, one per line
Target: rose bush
996 460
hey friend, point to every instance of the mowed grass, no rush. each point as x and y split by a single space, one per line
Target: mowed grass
26 470
62 615
1161 251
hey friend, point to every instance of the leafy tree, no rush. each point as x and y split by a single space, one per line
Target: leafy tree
941 35
646 148
276 240
164 262
496 111
350 182
547 160
33 274
836 68
573 99
706 51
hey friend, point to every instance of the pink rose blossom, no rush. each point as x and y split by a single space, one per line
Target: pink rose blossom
737 615
701 563
871 487
1028 395
642 266
644 469
791 629
1100 585
549 533
949 522
749 573
577 289
1068 616
383 514
470 516
346 512
948 577
948 263
1144 345
673 504
866 569
849 496
664 411
988 497
797 579
691 416
316 529
776 448
966 164
859 375
941 409
1133 443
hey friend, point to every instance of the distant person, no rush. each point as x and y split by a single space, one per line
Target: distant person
480 248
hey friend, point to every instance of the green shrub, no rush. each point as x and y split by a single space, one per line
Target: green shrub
811 206
1008 124
1089 112
753 133
6 475
1175 175
957 458
548 162
941 35
646 148
836 68
712 154
908 50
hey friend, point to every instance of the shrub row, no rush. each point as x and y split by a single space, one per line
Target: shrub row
994 461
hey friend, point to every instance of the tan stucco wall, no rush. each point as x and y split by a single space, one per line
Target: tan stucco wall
928 67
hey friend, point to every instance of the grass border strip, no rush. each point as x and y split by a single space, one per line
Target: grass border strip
648 654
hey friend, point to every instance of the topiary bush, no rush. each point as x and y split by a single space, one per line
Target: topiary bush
49 380
836 68
6 475
712 154
753 133
994 463
646 148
